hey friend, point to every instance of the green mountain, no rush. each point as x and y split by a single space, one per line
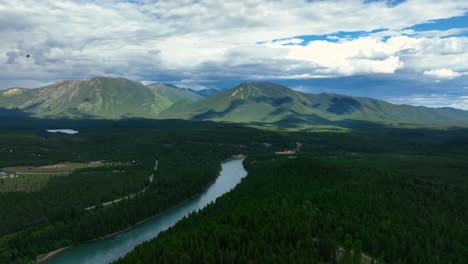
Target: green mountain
100 97
274 103
259 102
174 93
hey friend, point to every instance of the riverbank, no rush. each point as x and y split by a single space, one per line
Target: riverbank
41 259
55 253
175 206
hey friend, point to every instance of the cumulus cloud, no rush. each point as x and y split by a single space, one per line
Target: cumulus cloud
442 73
364 55
437 57
200 42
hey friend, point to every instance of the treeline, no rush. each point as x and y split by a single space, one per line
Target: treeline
395 209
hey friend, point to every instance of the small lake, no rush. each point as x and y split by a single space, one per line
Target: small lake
110 249
64 131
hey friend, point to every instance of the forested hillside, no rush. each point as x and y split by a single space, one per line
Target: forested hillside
353 203
394 194
261 103
99 97
265 102
55 216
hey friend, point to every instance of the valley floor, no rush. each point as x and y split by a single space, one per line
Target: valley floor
395 194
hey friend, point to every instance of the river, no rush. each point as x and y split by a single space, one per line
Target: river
110 249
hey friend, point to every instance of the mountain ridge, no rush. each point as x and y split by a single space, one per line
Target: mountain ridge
248 102
97 97
272 103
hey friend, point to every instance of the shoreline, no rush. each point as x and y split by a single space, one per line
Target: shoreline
55 253
44 258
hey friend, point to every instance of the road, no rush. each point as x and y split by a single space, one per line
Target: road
151 178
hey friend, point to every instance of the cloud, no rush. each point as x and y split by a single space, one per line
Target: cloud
370 55
364 55
433 100
204 42
442 73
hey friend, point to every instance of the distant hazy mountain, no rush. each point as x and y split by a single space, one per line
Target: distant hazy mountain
99 97
273 103
204 92
174 93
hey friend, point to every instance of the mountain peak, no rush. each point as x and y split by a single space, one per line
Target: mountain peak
245 90
97 97
256 89
107 78
263 85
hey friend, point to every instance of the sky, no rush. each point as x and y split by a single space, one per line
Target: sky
406 52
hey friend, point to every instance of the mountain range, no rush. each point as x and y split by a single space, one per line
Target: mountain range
254 102
101 97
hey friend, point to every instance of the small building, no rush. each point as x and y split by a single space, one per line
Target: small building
299 145
286 152
238 156
7 175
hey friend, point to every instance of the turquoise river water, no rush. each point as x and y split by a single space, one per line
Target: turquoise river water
110 249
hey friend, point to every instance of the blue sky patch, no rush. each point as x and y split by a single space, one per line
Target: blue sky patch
460 22
335 37
390 3
442 24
